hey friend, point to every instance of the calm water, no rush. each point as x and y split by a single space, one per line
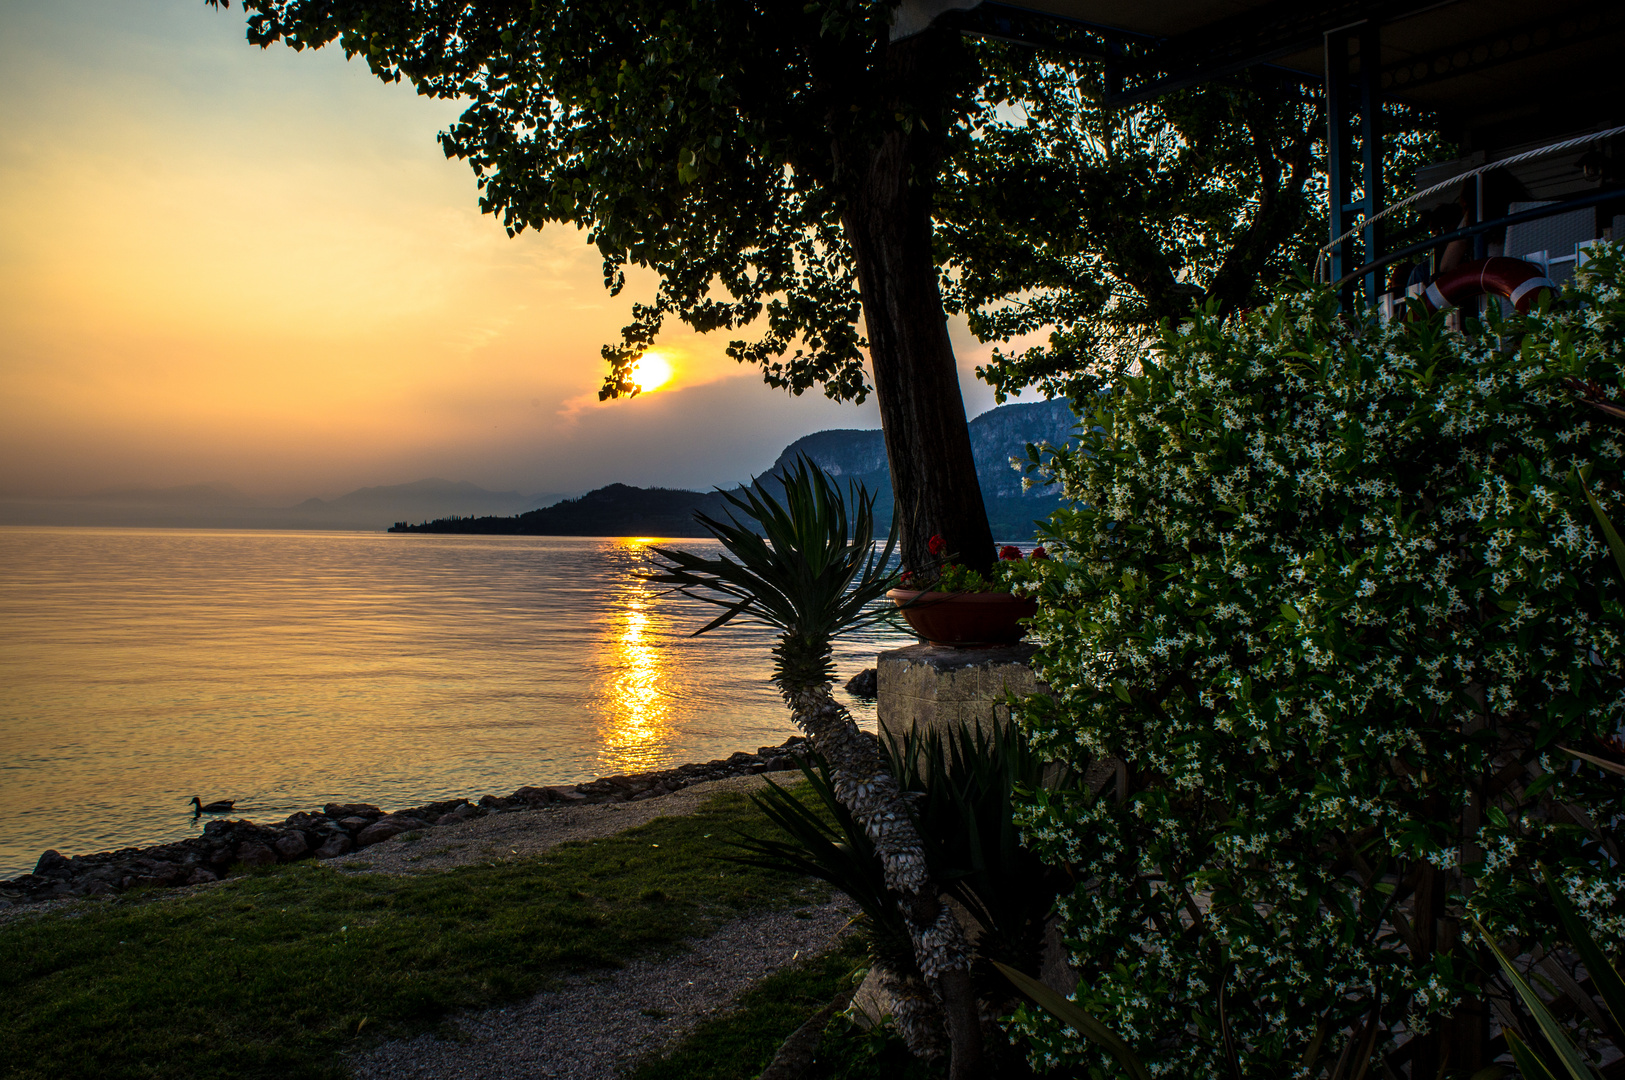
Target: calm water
286 670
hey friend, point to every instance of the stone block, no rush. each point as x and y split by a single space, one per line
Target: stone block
931 687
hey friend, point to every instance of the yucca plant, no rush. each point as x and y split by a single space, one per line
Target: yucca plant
820 838
1605 980
960 787
812 573
967 779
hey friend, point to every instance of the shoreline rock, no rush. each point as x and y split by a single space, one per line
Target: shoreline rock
340 828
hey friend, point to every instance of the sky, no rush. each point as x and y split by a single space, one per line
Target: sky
256 269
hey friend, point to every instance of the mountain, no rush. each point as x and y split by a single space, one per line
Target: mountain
995 436
616 510
207 506
849 454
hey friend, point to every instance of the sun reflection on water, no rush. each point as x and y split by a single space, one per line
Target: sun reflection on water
635 725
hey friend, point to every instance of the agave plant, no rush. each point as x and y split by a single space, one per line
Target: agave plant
1606 982
821 839
960 788
812 573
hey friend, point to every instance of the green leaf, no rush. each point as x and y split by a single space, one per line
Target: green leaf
1078 1018
1615 544
1601 763
1603 974
1290 613
1530 1066
1556 1037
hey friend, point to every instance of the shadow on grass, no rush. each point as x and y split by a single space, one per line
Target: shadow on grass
274 973
739 1044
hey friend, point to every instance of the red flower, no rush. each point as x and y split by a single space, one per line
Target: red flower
908 576
1039 553
1009 551
936 544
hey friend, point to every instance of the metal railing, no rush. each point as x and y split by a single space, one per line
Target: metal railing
1469 231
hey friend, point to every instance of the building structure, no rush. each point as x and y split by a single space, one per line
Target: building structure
1506 80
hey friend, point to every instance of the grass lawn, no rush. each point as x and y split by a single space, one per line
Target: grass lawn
739 1044
274 973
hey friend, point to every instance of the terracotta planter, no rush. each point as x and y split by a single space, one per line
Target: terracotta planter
967 620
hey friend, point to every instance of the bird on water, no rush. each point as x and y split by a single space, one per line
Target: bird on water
220 807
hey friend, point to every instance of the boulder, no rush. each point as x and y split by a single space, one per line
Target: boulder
386 827
334 847
435 810
865 684
53 864
157 871
200 876
251 853
291 846
355 809
462 813
354 823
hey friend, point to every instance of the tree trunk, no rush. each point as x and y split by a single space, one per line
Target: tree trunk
871 794
887 179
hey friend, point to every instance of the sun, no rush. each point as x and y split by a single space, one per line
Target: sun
651 372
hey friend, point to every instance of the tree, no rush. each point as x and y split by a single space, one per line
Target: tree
1094 223
772 162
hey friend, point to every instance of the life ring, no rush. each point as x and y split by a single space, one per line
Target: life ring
1520 282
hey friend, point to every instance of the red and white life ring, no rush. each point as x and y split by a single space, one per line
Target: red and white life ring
1518 281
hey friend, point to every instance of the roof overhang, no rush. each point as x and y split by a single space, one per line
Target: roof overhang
1484 63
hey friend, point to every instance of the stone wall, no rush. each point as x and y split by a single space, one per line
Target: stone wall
928 686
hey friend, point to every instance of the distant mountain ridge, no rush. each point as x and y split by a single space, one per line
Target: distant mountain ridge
616 510
996 436
849 454
215 506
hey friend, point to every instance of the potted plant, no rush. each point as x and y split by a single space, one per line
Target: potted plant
958 608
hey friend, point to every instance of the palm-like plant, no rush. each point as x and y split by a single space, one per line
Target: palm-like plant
812 573
961 789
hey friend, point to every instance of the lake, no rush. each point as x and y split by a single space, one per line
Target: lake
290 669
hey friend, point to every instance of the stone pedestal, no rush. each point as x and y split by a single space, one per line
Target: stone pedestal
927 686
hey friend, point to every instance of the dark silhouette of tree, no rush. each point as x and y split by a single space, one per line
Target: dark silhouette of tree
1063 215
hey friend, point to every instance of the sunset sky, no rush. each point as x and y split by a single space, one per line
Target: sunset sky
256 268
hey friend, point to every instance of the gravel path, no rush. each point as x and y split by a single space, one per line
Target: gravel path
594 1025
520 834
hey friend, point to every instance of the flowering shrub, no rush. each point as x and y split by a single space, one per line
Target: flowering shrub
1332 593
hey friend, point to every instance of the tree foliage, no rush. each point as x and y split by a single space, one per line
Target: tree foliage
698 140
1332 591
1090 223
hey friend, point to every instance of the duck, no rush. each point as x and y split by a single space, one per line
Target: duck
220 807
